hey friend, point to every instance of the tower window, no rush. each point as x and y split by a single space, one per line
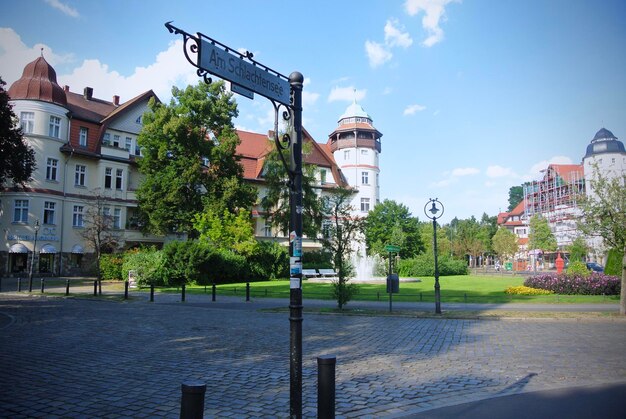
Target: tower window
365 204
365 178
27 122
346 154
54 129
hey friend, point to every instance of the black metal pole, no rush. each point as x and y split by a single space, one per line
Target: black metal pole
192 400
43 280
389 285
67 287
213 292
437 287
19 284
296 81
95 288
99 287
126 290
326 386
32 260
151 293
182 294
247 291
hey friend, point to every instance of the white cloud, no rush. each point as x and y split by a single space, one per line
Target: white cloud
410 110
394 35
434 14
499 171
64 8
347 94
465 171
377 53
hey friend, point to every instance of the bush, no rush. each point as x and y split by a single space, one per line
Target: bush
614 263
111 266
268 260
578 268
424 265
317 259
183 261
567 284
147 264
223 267
523 290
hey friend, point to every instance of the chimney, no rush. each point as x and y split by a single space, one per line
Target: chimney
88 93
116 100
66 88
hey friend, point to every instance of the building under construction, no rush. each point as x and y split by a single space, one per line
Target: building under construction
556 197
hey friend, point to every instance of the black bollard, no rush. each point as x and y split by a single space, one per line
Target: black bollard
67 287
182 295
192 400
19 284
247 291
213 292
326 386
151 293
95 288
43 280
126 290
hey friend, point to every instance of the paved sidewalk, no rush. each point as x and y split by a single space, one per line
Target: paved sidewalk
93 358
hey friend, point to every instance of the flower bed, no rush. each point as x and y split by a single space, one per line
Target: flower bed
523 290
567 284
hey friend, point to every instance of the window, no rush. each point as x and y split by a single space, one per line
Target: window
346 154
77 216
106 139
119 177
80 174
129 143
377 180
267 230
117 218
364 151
20 211
365 178
116 141
108 177
365 204
54 129
138 120
82 137
326 225
48 212
51 168
27 122
323 176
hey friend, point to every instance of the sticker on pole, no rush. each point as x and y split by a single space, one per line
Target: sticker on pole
294 283
297 244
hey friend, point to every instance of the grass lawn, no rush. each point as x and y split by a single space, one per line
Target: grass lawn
463 288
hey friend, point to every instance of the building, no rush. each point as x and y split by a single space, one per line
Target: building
86 151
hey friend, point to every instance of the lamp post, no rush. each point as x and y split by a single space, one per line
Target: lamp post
32 259
436 206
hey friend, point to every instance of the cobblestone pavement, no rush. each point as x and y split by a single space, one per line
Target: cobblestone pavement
92 358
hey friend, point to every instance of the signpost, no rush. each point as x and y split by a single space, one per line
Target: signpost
393 280
247 77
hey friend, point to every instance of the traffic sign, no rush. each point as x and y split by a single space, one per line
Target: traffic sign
392 248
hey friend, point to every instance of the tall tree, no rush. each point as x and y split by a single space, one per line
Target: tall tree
17 159
504 243
385 223
604 215
516 195
189 159
540 235
469 240
275 202
342 232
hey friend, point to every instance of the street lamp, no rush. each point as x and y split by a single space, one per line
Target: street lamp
32 259
436 206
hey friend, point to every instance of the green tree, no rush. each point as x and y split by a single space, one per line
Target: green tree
516 195
189 159
342 232
540 235
275 202
17 159
444 245
469 239
226 230
604 215
504 243
390 221
578 250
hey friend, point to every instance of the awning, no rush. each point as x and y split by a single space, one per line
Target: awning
18 248
48 248
77 248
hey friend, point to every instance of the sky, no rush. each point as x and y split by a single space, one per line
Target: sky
472 97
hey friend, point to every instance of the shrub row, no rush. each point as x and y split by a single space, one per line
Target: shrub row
568 284
424 265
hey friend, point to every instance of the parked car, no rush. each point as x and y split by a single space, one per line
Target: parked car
592 266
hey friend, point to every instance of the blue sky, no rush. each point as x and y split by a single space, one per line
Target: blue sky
472 97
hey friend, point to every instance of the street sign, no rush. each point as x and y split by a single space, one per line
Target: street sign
239 71
392 249
241 90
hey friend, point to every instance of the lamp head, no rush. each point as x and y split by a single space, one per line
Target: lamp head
37 225
434 210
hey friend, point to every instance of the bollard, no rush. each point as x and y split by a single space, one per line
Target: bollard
42 284
326 386
192 400
182 297
126 290
151 293
95 288
19 284
213 292
67 287
247 291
